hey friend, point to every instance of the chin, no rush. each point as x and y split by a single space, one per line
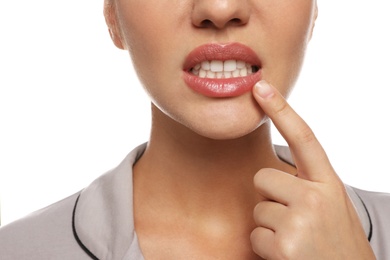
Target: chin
227 130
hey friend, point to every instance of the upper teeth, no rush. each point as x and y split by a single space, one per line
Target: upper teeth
222 69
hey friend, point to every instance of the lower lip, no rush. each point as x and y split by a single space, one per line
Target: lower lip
220 88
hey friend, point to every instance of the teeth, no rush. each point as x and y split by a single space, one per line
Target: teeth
205 65
223 69
240 64
230 65
216 65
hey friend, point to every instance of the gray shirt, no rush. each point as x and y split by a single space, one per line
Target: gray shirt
98 222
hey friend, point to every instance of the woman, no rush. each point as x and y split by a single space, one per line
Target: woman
210 184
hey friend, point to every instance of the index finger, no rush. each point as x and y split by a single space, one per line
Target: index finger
310 157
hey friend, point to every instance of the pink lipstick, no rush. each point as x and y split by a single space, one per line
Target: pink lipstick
222 70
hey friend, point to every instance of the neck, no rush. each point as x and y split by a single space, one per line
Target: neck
188 169
199 189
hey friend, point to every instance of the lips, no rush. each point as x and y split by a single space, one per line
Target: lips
222 70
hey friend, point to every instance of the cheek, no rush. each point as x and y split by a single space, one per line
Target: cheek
145 34
154 51
152 28
287 40
144 45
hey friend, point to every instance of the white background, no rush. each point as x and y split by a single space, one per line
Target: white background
71 107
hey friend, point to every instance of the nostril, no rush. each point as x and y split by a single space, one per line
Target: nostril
206 23
235 21
220 14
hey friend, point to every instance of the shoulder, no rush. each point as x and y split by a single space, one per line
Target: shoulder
96 223
377 205
44 234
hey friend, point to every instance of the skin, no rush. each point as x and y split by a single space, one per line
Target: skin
209 185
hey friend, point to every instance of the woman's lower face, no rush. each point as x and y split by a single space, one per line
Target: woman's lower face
198 59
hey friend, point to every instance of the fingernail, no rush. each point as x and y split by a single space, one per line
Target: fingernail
263 89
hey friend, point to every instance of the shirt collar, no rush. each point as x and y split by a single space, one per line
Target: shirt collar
103 215
103 220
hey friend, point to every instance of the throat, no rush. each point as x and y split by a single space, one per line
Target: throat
203 176
174 234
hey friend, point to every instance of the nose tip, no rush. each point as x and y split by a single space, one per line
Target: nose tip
220 13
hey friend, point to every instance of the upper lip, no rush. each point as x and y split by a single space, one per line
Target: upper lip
223 52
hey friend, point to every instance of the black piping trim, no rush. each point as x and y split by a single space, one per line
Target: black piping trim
369 218
86 250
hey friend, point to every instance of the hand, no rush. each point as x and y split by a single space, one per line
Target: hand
309 216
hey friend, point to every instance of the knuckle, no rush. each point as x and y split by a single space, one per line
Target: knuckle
287 249
281 108
258 246
305 135
255 238
297 222
257 212
260 177
314 199
258 208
